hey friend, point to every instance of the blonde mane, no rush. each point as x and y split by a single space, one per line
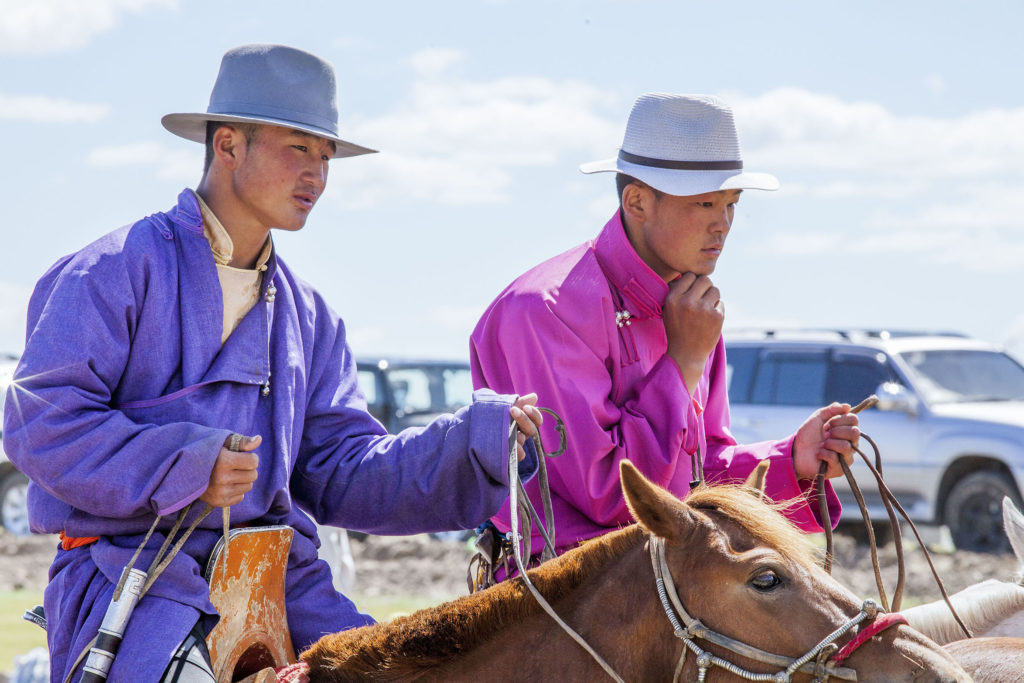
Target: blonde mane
762 519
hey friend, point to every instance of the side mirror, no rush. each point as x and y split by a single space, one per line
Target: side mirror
896 398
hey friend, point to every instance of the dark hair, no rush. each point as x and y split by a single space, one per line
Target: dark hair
622 180
249 130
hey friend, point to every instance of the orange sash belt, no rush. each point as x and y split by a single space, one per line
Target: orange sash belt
69 542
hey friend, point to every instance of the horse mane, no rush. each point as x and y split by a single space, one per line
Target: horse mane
763 520
407 646
981 607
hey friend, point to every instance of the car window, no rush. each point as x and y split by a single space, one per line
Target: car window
739 372
961 375
790 378
368 383
411 388
854 377
458 387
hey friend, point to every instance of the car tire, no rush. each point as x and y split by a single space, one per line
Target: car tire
14 503
973 511
859 533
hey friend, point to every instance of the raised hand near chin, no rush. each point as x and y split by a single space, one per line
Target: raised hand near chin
693 314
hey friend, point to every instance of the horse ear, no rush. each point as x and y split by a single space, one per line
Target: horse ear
755 480
654 508
1013 520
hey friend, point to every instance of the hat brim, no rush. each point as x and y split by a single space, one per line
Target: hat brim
685 183
193 127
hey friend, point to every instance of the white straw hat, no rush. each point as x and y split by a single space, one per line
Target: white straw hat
683 145
272 85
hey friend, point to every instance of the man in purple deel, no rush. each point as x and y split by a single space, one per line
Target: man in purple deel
152 349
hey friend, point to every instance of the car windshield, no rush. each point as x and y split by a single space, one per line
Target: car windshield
962 376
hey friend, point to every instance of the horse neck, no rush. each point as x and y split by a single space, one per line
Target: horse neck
609 597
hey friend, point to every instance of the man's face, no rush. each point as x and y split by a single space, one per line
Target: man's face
281 175
683 234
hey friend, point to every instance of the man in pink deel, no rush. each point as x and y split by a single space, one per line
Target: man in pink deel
622 335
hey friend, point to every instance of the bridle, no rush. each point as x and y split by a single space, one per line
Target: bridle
826 656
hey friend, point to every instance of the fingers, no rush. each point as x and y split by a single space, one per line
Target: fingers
527 418
250 443
695 287
832 458
234 472
239 442
526 400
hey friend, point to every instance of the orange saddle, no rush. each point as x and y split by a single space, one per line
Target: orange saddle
247 588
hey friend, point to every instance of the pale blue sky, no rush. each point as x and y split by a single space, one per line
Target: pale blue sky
896 129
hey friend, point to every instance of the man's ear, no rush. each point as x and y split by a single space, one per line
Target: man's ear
636 199
228 142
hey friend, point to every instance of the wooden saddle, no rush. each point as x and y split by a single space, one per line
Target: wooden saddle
247 588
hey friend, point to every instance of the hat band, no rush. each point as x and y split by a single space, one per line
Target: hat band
680 165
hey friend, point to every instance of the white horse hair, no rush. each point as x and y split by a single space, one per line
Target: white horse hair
989 608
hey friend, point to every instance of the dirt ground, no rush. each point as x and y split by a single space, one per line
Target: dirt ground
423 566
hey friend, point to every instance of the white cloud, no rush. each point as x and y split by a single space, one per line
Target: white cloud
795 128
945 190
435 62
457 141
167 164
39 27
41 109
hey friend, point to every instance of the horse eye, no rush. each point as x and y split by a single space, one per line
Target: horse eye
766 580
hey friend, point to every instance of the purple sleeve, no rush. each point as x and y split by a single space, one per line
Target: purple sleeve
450 474
60 428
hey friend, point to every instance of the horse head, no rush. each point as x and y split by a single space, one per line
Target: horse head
756 594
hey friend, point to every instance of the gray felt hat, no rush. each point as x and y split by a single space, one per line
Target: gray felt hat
273 85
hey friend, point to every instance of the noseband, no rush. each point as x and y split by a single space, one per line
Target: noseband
826 655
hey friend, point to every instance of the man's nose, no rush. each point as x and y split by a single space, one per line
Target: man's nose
723 221
317 174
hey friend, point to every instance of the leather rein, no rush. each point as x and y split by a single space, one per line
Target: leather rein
823 660
891 506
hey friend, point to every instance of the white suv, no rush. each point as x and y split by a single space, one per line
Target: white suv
949 423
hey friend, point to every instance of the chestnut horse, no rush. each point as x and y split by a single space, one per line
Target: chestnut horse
737 564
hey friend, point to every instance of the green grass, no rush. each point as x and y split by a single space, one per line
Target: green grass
18 636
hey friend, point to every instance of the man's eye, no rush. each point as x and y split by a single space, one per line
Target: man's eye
301 148
707 205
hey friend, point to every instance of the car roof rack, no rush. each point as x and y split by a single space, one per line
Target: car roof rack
849 334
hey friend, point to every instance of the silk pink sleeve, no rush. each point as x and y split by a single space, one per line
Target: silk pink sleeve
520 350
727 461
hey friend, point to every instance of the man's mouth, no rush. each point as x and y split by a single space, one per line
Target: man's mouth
307 199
